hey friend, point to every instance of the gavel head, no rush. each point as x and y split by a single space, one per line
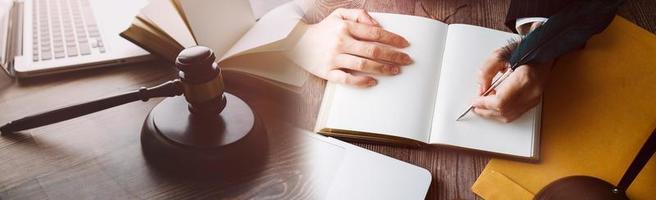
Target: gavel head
202 80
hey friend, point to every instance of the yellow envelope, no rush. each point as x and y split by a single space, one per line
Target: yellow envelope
599 107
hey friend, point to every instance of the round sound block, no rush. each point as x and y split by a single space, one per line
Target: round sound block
226 143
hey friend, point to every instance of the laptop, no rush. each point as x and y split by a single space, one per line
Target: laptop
345 171
40 37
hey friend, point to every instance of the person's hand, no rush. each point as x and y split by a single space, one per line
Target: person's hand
348 46
520 92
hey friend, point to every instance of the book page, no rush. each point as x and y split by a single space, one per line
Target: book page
261 50
466 49
270 32
218 24
229 28
261 7
271 65
164 15
399 105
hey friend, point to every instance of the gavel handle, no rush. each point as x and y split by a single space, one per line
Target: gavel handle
645 153
168 89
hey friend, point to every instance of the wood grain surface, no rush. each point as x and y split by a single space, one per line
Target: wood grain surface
453 171
99 156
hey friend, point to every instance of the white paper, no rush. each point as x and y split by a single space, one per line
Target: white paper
261 7
272 28
218 24
399 105
466 49
165 16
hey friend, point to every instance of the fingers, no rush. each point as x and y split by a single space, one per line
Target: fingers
339 76
506 106
364 65
360 45
490 68
492 114
490 102
493 108
377 34
376 52
519 92
367 28
356 15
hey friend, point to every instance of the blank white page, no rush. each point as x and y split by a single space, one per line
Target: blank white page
466 49
399 105
269 33
218 24
260 51
261 7
165 16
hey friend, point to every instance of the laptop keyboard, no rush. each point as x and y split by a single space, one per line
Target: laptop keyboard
64 29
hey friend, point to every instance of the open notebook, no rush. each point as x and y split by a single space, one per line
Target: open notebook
420 105
240 41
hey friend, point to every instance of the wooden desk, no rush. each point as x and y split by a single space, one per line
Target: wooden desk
453 171
99 155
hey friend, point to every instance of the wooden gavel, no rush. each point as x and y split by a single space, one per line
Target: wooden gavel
207 130
200 81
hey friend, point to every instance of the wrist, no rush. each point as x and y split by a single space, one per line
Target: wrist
527 28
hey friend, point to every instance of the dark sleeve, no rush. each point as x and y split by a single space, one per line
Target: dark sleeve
532 8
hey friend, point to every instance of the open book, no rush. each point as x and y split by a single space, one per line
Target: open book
420 105
240 41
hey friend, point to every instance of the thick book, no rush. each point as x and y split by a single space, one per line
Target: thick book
240 41
420 105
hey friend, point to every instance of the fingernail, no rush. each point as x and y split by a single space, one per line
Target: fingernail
406 59
402 42
371 82
405 43
392 70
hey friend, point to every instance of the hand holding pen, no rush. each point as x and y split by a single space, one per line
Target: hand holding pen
519 92
526 63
